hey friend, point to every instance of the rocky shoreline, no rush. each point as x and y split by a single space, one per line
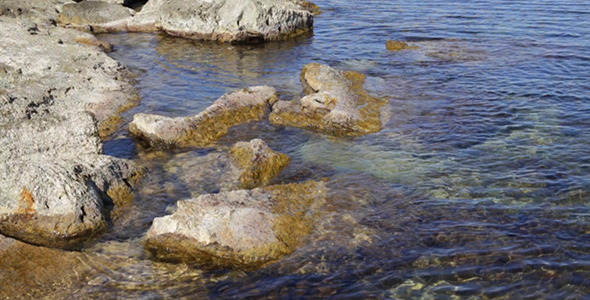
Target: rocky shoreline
61 95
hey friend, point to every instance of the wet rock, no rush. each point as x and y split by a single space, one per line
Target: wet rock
257 163
398 45
91 40
247 165
231 109
238 228
336 103
98 16
54 181
309 6
226 21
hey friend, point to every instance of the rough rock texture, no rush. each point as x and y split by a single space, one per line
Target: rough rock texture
309 6
336 103
257 163
226 20
54 177
250 104
100 16
238 228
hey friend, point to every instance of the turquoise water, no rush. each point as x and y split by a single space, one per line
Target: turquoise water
478 186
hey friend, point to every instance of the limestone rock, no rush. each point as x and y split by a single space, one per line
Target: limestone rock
99 15
54 179
336 103
227 20
398 45
231 109
257 163
309 6
57 99
238 228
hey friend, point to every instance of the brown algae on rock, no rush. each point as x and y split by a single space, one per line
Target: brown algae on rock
336 103
244 228
257 162
245 105
398 45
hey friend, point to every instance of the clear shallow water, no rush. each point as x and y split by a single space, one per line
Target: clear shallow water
479 184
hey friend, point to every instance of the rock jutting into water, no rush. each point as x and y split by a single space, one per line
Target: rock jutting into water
57 99
257 163
231 109
309 6
336 103
398 45
97 16
225 21
238 228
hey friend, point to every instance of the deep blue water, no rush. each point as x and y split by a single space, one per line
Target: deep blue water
478 186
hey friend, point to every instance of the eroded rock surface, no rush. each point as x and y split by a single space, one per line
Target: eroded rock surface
225 21
257 164
238 228
245 105
100 16
57 98
336 103
54 179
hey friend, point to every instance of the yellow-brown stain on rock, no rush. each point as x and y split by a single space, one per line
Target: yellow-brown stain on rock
398 45
258 171
26 204
110 124
92 41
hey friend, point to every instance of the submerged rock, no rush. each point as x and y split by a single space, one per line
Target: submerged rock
245 105
238 228
257 163
229 20
336 103
247 165
398 45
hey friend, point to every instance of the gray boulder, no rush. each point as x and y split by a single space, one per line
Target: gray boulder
241 228
54 179
336 103
245 105
99 15
225 20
